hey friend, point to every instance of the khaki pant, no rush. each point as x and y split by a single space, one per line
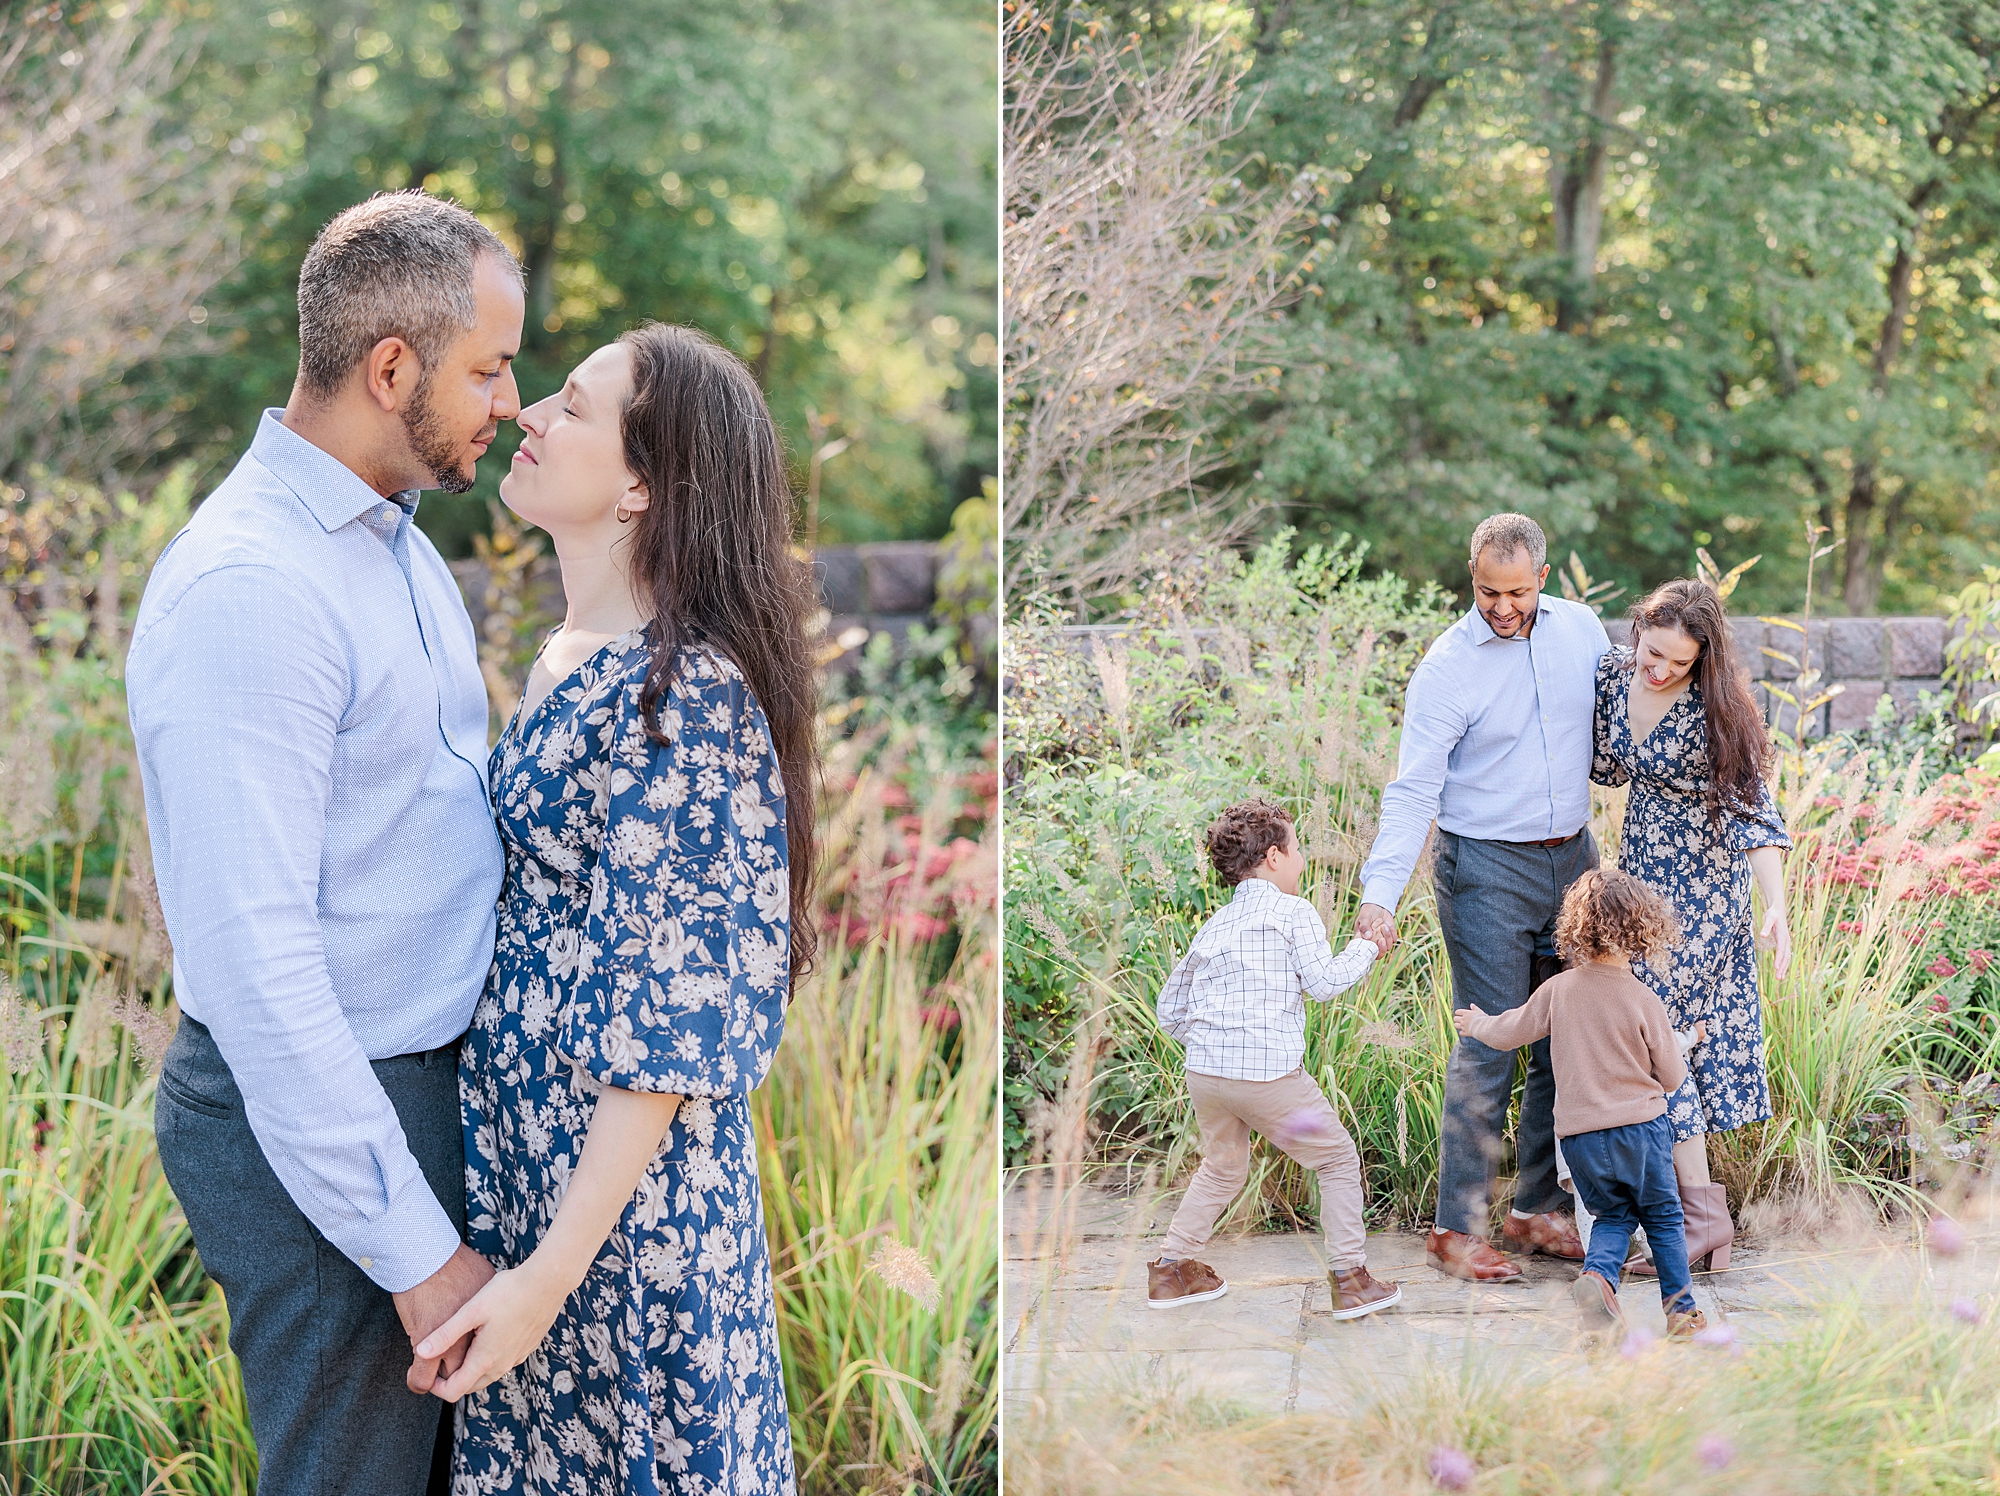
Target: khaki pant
1294 1114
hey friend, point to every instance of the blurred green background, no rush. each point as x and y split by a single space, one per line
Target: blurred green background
815 185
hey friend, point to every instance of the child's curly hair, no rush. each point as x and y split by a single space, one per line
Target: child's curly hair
1609 913
1243 834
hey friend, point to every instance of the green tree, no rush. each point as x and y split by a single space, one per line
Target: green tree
812 185
1663 276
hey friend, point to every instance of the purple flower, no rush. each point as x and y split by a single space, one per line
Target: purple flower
1715 1451
1946 1237
1638 1340
1451 1469
1965 1309
1722 1337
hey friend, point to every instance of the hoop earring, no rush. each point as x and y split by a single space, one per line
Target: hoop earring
623 517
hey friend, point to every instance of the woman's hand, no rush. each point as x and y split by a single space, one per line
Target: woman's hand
1777 936
507 1320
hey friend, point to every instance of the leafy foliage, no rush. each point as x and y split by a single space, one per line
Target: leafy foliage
1660 276
812 185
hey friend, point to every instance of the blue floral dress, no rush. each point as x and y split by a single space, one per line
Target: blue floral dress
644 943
1670 844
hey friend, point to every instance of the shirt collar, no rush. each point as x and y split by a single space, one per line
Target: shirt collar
327 486
1244 888
1482 631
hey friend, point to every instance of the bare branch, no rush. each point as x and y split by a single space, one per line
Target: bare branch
111 233
1142 282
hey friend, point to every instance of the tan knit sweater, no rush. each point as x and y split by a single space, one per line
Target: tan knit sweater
1610 1042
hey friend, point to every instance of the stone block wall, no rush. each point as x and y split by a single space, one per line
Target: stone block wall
885 587
1870 657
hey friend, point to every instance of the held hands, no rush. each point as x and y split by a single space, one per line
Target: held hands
424 1308
1777 936
1699 1033
506 1320
1461 1019
1377 924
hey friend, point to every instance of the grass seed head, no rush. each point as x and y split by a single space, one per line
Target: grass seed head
902 1267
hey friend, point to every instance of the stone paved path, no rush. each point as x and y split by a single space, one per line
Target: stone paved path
1078 1323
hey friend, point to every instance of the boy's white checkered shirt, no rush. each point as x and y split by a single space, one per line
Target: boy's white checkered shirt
1236 999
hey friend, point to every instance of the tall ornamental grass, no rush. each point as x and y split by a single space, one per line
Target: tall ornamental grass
875 1128
1284 679
1857 1399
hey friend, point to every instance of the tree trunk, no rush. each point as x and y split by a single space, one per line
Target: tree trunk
1576 192
1862 582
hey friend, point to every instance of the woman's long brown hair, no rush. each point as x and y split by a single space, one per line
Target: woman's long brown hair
1739 752
713 553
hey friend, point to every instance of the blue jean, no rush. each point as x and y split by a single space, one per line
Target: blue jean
1497 905
1626 1176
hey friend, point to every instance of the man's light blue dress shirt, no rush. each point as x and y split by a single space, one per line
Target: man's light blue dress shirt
311 725
1496 740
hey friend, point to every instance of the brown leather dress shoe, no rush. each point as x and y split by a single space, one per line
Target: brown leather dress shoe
1356 1292
1172 1284
1459 1255
1548 1233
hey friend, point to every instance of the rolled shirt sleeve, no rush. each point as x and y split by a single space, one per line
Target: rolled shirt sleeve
684 965
237 722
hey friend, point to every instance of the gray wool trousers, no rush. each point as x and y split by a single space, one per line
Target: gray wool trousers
322 1349
1497 905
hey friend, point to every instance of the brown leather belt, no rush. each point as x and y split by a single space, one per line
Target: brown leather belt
1551 841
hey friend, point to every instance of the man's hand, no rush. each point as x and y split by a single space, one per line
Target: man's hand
432 1302
1377 924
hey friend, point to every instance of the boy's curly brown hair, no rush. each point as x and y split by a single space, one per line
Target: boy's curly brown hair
1610 913
1243 834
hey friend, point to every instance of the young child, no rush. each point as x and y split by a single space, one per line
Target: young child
1615 1056
1234 1002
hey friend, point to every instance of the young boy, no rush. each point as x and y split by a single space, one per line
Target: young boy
1615 1057
1234 1002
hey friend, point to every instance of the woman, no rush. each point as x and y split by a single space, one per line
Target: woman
655 797
1676 719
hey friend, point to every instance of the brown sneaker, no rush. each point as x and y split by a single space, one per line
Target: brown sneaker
1356 1292
1548 1233
1461 1256
1172 1284
1685 1324
1597 1299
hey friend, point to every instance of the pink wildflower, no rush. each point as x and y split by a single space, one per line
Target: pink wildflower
1451 1469
1715 1451
1966 1310
1945 1236
1980 961
1638 1340
1942 967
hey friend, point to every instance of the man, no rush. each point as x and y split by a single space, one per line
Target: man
311 726
1496 746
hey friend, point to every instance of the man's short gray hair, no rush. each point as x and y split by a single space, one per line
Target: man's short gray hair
1511 533
399 265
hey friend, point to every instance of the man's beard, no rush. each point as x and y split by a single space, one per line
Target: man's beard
431 444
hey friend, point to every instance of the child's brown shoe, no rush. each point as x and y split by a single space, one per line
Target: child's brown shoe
1685 1324
1172 1284
1356 1292
1597 1300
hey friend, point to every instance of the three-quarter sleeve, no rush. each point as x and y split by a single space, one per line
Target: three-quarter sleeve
682 968
1606 767
1764 826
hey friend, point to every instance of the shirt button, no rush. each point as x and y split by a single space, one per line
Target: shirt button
388 511
366 1262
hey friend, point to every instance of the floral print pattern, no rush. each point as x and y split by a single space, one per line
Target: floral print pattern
1670 844
644 942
